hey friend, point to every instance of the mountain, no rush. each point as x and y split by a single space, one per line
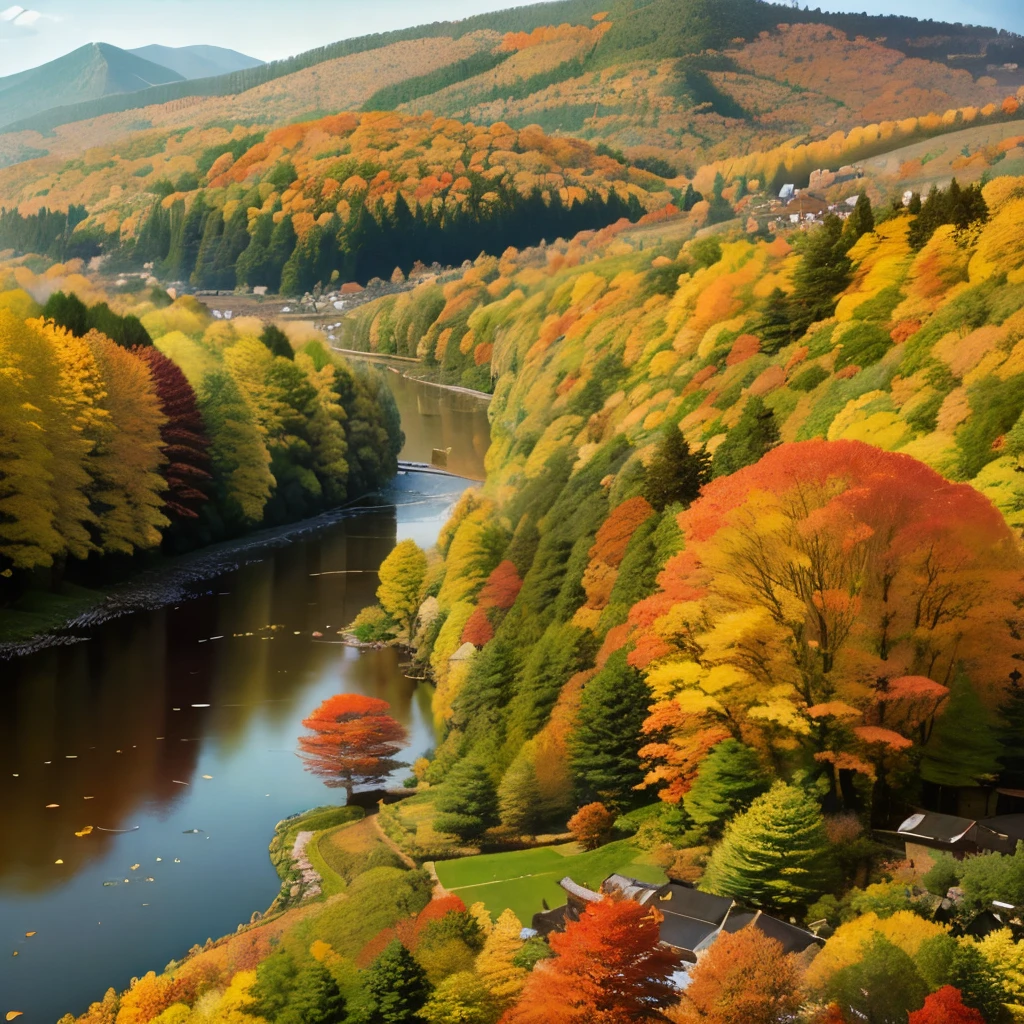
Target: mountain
90 72
197 61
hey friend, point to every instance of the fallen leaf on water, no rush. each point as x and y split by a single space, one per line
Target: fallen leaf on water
11 1014
317 633
207 776
88 798
106 884
58 861
177 860
50 807
15 953
28 935
150 879
178 782
159 859
85 831
191 831
135 867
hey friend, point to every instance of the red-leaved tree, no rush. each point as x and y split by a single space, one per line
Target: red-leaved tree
591 825
184 436
609 968
744 978
946 1007
353 741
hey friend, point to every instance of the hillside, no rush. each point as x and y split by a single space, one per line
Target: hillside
90 72
196 61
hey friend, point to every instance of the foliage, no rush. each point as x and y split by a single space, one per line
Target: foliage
608 967
497 965
468 803
883 986
401 576
591 825
775 854
396 987
729 778
353 741
945 1006
675 474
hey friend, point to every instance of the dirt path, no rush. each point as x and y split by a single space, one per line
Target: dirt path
393 846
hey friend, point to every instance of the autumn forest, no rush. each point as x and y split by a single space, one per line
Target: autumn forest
703 701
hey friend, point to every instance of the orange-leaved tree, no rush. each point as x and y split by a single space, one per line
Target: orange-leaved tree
827 598
946 1007
591 825
352 742
608 968
744 978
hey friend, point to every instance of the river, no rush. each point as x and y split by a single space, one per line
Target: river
186 717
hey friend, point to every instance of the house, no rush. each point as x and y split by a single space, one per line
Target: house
787 191
689 920
927 831
806 207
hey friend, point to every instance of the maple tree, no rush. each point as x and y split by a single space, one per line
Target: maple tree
744 978
608 968
945 1007
352 742
591 825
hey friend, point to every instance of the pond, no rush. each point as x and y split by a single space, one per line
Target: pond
185 718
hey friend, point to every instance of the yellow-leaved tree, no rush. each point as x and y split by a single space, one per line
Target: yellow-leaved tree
401 584
494 964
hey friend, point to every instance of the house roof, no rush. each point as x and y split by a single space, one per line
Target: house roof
940 828
792 938
630 888
580 891
678 900
1009 825
686 933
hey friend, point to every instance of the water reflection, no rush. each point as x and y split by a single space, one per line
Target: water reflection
120 733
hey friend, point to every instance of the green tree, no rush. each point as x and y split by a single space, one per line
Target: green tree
275 982
945 960
676 474
729 778
468 801
776 854
963 749
862 220
396 987
992 876
314 999
401 578
882 987
1011 729
67 311
519 794
277 341
754 434
605 743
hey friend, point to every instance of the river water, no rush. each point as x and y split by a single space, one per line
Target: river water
186 718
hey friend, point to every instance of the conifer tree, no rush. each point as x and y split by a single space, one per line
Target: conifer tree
862 220
401 578
963 749
277 341
604 746
495 963
729 778
1011 729
774 855
754 435
468 802
314 999
676 474
519 794
396 987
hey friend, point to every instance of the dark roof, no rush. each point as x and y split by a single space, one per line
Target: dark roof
547 921
939 828
792 938
1009 825
685 933
686 902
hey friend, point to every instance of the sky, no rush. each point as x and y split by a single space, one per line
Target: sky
270 29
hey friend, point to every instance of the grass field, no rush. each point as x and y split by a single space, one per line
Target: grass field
523 879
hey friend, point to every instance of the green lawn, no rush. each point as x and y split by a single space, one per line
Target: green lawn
523 879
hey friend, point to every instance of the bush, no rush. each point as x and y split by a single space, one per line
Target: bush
373 625
591 825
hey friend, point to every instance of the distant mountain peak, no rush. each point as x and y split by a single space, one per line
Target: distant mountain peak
200 61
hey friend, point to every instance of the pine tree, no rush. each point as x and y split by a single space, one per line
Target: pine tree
495 964
396 987
774 855
862 220
676 474
314 999
468 802
963 749
604 746
1011 729
67 311
401 577
519 794
754 435
729 778
277 341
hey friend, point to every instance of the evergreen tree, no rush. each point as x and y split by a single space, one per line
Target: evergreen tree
468 801
862 220
605 743
279 251
519 794
275 981
676 474
253 265
774 855
823 272
1011 731
67 311
202 275
776 327
963 749
496 966
277 341
729 778
314 999
396 987
753 435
